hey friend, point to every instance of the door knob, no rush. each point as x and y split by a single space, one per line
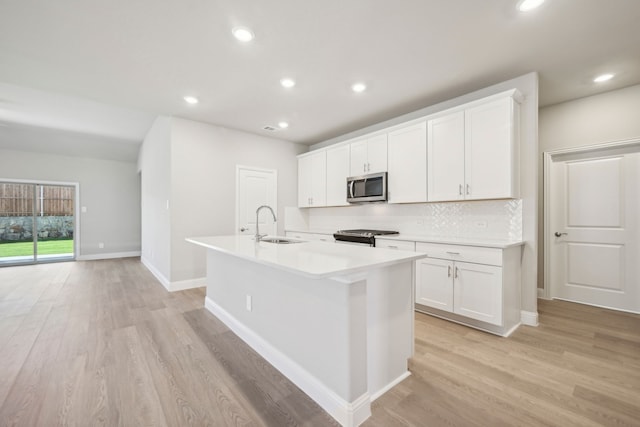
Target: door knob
244 229
558 234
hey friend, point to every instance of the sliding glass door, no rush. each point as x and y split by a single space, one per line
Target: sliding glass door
37 223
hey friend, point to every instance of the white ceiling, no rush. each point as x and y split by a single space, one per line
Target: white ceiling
106 68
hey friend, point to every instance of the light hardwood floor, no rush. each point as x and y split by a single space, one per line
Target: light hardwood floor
102 343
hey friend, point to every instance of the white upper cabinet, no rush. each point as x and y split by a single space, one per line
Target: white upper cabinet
469 152
338 168
369 155
407 181
473 152
491 150
312 179
446 157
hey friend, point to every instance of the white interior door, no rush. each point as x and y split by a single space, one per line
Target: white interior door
255 187
593 233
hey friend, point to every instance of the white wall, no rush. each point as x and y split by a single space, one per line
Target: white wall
154 163
528 86
607 117
110 190
193 166
597 119
203 165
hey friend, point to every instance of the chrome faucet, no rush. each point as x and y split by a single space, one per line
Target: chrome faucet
258 235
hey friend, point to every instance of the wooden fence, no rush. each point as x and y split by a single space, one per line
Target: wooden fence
50 200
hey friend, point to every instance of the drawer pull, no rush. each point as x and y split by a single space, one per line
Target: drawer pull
392 247
453 253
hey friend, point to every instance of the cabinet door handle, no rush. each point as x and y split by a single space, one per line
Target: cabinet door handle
456 273
468 191
460 190
449 271
368 167
364 167
453 253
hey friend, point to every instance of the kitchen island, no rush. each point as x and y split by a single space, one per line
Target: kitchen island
337 320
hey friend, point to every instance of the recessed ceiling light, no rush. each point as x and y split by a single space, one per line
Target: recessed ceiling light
243 34
287 82
359 87
527 5
283 125
191 99
603 78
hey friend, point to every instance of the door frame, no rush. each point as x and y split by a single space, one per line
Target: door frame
548 158
76 186
275 191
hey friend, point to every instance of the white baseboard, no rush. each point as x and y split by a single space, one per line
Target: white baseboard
529 318
389 386
348 414
163 280
513 329
541 293
111 255
180 285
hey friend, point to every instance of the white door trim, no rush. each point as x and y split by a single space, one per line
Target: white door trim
548 158
251 168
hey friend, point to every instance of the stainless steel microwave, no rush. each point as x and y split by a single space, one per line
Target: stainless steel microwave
367 188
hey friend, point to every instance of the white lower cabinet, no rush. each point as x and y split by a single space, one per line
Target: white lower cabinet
302 235
477 291
471 290
402 245
476 286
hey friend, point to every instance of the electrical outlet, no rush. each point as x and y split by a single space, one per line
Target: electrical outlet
248 302
101 245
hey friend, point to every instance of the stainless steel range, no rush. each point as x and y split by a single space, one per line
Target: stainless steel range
360 236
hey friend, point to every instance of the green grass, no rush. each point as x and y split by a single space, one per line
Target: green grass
49 247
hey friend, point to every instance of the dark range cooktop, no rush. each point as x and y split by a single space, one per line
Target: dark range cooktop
359 235
365 232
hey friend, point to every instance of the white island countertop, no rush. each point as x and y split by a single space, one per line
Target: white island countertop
312 259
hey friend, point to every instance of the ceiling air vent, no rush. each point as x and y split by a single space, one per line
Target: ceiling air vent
270 128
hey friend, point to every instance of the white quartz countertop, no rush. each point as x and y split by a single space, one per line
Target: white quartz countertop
311 259
466 241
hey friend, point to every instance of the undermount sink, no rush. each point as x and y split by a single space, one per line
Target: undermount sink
279 240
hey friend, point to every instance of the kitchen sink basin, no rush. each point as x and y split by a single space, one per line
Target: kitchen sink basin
279 240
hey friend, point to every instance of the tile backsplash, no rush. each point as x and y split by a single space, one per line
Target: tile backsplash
490 219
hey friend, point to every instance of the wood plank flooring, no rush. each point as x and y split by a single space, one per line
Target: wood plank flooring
103 343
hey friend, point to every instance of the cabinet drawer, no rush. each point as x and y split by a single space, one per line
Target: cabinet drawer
310 236
396 244
476 254
322 237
